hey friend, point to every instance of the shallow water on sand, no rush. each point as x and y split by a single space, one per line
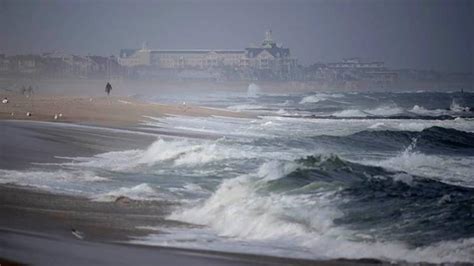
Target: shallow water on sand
321 175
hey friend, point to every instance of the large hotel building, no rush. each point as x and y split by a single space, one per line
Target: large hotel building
267 57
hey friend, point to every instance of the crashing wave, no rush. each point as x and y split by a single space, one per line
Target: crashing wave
139 192
420 110
456 107
350 113
385 110
319 97
379 111
285 202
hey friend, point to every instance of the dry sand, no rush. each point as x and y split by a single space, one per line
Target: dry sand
103 111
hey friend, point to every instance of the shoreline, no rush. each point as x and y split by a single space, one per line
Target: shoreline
36 219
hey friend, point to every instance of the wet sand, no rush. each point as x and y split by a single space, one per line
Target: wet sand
35 228
24 142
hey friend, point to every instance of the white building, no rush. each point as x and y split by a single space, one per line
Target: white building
269 56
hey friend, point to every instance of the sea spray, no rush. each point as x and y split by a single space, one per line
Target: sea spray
253 90
457 107
319 97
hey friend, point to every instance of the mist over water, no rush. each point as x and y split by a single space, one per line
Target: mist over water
314 175
253 90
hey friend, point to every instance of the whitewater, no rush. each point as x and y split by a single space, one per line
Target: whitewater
316 175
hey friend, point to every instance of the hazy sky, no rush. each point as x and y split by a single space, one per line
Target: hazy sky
404 33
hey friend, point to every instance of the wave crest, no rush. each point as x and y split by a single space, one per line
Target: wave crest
320 219
139 192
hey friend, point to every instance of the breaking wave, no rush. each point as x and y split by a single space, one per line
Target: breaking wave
385 110
139 192
172 153
316 203
432 140
457 107
350 113
319 97
388 110
420 110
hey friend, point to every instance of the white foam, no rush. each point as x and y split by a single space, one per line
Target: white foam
377 125
243 107
419 125
385 110
236 210
175 152
195 188
275 169
449 169
350 113
420 110
403 177
318 97
456 107
71 182
31 177
282 112
296 126
290 225
139 192
379 111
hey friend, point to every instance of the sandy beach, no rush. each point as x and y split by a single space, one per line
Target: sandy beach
104 111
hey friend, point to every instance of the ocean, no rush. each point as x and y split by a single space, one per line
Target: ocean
318 175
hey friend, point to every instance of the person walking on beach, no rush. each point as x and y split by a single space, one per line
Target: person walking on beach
108 88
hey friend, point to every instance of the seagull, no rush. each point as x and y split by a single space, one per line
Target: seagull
77 234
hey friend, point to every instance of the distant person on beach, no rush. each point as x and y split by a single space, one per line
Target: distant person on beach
108 88
27 91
